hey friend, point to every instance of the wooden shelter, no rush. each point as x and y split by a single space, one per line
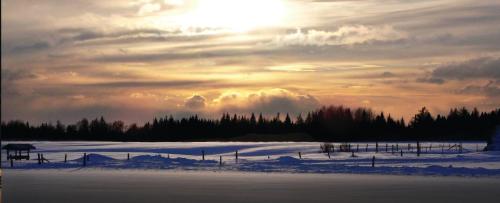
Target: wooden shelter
18 151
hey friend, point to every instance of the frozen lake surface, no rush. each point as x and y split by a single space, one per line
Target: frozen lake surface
97 185
395 158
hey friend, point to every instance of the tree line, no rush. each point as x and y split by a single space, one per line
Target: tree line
329 123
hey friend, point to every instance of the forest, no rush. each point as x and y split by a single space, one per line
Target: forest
329 123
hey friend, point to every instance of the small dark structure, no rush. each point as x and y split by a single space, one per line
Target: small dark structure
18 151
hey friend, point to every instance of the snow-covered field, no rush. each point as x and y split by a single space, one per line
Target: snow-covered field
437 158
124 186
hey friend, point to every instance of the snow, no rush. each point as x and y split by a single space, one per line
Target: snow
124 186
95 185
495 141
442 159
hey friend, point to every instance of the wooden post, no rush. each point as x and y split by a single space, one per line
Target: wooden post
386 145
168 156
418 148
401 152
373 161
333 148
328 154
300 155
65 157
220 160
376 147
366 149
392 149
357 148
397 147
39 160
352 155
128 156
236 155
41 155
203 155
84 159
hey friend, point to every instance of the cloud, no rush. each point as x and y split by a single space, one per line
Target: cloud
387 74
138 84
431 80
12 81
173 2
345 35
195 102
479 68
149 8
268 101
491 89
169 56
28 48
14 75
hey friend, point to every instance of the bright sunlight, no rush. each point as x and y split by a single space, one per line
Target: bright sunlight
236 15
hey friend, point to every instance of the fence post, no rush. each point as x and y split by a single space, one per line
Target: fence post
84 159
65 157
203 155
418 148
220 160
236 154
397 147
39 160
352 155
357 148
41 155
366 149
128 156
373 161
376 147
401 152
300 155
386 145
328 154
392 149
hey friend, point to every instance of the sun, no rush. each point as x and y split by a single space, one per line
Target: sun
236 15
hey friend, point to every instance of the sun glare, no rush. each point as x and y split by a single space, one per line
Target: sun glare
236 15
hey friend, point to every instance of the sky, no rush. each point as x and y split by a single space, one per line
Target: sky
138 59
